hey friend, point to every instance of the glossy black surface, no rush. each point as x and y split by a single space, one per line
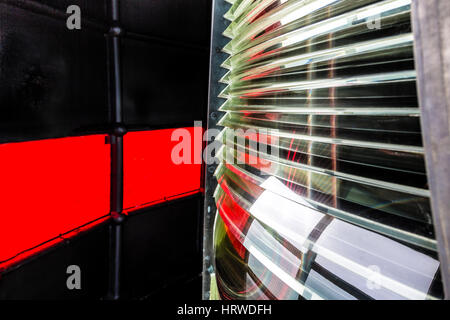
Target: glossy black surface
44 277
94 10
52 80
161 247
165 62
163 85
184 21
54 83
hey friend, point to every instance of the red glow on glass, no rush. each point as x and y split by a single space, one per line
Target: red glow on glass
150 175
235 219
260 75
50 187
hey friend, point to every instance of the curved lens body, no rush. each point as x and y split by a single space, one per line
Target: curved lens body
322 190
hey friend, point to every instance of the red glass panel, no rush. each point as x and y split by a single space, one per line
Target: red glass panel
150 175
49 187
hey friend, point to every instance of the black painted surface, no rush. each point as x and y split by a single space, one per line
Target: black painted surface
165 56
160 248
163 85
185 21
94 10
52 80
45 276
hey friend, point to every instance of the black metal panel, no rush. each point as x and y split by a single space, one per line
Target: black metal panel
160 248
93 10
163 85
53 80
44 277
185 21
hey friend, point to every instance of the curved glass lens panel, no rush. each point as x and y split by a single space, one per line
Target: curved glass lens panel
322 189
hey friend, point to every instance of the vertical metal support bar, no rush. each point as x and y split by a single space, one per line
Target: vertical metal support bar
431 27
218 41
116 140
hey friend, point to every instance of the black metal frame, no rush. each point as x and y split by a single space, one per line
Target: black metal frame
218 41
116 141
